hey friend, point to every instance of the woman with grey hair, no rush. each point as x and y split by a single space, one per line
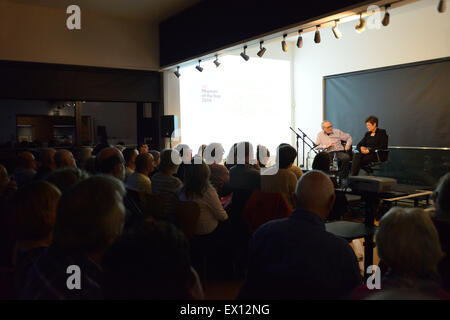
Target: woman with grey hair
409 249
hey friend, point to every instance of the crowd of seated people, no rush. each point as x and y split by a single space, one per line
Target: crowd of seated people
97 210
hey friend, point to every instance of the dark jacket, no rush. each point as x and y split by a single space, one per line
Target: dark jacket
379 141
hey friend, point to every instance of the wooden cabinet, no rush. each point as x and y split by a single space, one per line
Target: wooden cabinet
45 128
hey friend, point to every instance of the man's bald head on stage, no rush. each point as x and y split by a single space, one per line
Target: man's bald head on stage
315 193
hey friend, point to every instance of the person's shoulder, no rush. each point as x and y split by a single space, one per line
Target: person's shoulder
382 132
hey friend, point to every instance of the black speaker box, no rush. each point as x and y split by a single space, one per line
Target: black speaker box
167 126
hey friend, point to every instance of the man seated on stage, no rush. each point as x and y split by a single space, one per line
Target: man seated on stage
329 140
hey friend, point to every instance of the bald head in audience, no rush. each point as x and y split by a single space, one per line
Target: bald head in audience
64 159
315 193
26 160
110 161
47 158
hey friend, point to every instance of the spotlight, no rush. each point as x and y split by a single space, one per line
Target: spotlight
442 6
244 55
387 16
177 73
317 35
216 62
300 39
361 26
336 31
262 50
284 44
199 68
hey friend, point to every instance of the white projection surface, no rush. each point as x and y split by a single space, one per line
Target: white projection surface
238 101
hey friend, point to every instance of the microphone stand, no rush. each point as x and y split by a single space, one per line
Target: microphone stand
297 137
304 142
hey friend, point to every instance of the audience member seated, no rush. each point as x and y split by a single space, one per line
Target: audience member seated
295 257
298 172
64 159
142 148
110 161
26 169
408 246
152 263
165 184
89 166
47 163
31 215
129 155
156 161
201 149
231 159
220 176
82 154
90 218
139 180
279 178
198 188
322 162
7 189
186 157
66 178
243 176
99 147
441 221
262 156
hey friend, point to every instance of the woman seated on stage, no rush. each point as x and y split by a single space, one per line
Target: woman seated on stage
374 139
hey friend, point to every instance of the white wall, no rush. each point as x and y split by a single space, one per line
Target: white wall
39 34
172 83
119 118
416 32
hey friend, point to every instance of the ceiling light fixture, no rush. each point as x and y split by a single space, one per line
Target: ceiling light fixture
262 50
244 55
336 31
361 26
284 44
177 73
442 6
387 16
317 35
300 39
199 68
216 62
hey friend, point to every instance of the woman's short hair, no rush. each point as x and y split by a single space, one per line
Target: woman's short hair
286 156
260 149
33 210
408 243
196 177
89 216
372 120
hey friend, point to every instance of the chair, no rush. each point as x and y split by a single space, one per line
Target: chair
382 156
263 207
